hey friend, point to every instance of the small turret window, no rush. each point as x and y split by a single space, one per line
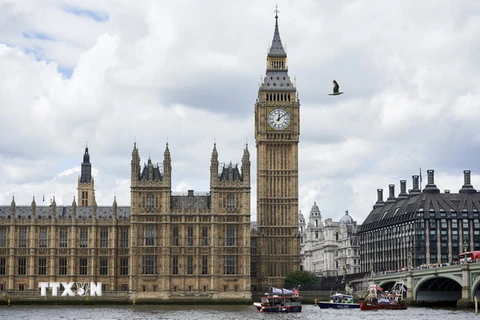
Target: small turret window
42 242
175 235
149 235
22 237
63 238
84 238
230 235
190 236
150 204
230 202
104 238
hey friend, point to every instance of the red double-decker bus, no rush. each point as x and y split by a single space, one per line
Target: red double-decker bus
469 256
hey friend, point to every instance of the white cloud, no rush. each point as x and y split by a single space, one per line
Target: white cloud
187 73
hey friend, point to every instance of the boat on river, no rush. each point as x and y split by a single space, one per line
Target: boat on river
393 299
280 300
339 301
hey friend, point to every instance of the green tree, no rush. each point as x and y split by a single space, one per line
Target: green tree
299 277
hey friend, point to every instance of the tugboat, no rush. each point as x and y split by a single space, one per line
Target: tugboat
391 300
280 300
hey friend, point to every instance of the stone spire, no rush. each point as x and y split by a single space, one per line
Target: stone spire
276 49
86 173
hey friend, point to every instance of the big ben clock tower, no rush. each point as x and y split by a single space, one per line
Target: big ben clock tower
277 128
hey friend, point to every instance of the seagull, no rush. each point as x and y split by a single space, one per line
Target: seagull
335 89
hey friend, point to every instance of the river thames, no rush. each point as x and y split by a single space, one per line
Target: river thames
218 312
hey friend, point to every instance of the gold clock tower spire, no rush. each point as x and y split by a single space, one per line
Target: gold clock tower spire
277 131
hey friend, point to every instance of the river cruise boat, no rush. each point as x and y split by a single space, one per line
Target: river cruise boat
280 300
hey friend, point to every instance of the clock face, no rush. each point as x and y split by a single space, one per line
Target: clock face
279 119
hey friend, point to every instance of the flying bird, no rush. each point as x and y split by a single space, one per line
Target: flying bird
335 89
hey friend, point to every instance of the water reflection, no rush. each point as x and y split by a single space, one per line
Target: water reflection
200 312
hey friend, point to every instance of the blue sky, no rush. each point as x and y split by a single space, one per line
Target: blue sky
113 72
98 16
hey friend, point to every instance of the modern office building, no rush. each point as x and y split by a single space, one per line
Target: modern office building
421 227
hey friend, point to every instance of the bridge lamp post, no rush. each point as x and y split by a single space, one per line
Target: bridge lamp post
409 257
465 245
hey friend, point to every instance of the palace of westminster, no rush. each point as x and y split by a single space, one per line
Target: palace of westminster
168 246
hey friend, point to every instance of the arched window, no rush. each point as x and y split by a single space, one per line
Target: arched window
150 205
149 235
230 202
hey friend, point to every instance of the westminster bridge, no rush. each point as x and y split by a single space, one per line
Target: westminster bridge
444 284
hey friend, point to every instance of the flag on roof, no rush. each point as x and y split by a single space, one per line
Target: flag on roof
276 290
287 291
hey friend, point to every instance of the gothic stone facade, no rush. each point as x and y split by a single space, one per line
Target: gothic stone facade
275 242
164 246
167 245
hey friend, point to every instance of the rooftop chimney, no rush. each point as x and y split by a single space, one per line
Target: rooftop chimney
379 202
430 177
403 190
467 187
415 189
391 193
430 187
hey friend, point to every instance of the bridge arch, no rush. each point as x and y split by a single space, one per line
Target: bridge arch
475 288
436 288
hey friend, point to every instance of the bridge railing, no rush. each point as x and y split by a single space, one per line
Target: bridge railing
421 267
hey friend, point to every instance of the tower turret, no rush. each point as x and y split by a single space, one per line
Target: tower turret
34 209
167 166
115 207
74 209
135 165
214 167
246 165
86 188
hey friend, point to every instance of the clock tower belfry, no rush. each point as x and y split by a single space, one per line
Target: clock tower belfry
276 248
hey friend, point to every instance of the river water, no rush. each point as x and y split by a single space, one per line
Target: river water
197 312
